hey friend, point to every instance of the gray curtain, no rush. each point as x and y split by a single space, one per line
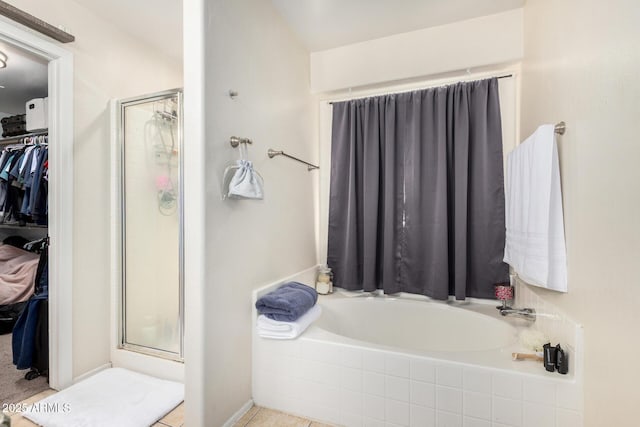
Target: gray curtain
416 193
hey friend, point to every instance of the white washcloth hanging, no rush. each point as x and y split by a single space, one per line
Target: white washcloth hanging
246 183
275 329
535 245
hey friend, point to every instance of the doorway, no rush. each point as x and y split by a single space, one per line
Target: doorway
60 188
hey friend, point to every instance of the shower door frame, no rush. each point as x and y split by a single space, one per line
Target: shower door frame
118 110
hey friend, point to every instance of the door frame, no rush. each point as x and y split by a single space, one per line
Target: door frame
60 82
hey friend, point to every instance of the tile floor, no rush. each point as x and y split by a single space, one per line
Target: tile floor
263 417
255 417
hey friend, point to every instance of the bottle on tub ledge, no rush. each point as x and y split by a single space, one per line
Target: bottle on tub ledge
324 280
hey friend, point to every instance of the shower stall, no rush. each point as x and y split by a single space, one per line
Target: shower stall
148 315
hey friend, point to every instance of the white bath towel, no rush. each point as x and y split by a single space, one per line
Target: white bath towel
535 245
274 329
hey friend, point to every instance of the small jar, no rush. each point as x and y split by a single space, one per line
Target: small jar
324 280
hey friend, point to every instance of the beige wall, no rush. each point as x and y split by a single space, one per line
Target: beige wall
107 64
249 243
473 43
582 65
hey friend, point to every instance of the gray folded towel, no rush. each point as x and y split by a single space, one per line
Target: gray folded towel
288 302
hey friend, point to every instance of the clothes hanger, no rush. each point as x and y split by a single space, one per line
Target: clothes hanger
32 246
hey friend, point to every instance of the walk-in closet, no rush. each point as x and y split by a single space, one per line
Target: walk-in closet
24 196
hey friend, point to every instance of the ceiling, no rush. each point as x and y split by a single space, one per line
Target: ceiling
24 78
325 24
320 24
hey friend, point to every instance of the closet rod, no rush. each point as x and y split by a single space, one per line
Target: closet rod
19 138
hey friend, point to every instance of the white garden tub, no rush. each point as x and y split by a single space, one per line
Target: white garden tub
385 361
415 325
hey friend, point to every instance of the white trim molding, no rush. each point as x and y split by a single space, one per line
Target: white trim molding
195 356
92 372
236 417
60 196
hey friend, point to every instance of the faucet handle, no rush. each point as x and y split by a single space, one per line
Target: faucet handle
524 313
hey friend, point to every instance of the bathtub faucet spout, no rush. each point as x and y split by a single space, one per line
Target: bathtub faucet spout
523 313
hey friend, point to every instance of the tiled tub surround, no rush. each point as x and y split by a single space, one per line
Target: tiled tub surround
336 379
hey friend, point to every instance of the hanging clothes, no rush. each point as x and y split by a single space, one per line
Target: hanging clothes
24 182
30 338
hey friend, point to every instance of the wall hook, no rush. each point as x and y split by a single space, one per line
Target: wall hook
236 140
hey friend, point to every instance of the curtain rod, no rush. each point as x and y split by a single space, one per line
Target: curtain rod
499 77
34 23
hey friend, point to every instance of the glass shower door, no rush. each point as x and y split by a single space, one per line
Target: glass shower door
151 197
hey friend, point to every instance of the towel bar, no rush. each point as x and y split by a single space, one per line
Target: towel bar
272 153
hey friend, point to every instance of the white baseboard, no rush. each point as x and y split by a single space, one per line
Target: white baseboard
91 373
149 365
235 417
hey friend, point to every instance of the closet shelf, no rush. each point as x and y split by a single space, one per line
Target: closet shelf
23 227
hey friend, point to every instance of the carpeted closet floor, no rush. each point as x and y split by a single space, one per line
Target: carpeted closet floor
13 387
